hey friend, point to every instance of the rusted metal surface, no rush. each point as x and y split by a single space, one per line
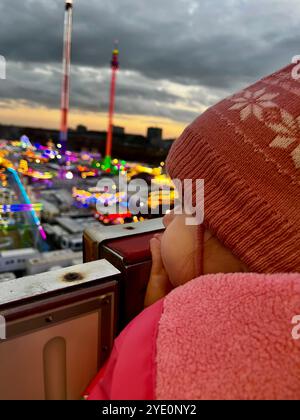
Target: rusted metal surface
71 277
55 281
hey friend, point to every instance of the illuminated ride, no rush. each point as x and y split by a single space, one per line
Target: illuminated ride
16 208
30 209
114 69
38 175
65 89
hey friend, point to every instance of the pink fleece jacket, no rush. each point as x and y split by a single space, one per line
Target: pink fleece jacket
217 337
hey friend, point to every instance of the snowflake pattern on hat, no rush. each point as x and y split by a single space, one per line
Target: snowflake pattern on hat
288 132
287 129
254 103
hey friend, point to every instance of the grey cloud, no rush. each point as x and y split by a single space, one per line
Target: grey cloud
38 85
218 45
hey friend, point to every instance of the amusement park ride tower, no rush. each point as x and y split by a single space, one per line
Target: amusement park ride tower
114 67
65 87
65 94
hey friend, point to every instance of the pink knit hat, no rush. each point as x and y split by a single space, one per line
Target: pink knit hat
247 150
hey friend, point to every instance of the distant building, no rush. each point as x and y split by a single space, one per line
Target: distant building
148 149
73 242
15 260
50 211
78 225
59 198
54 234
118 131
155 136
167 144
46 261
133 140
82 129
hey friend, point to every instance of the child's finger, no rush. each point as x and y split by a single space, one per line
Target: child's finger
157 263
158 236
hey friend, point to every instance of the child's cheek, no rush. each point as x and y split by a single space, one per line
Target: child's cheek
171 256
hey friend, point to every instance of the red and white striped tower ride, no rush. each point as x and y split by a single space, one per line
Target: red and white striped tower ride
114 67
65 89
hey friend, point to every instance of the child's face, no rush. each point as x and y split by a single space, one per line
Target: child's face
179 249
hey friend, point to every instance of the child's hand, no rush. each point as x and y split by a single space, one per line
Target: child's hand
159 285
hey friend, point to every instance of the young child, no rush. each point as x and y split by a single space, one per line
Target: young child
227 334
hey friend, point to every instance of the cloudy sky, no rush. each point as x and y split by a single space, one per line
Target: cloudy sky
177 57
